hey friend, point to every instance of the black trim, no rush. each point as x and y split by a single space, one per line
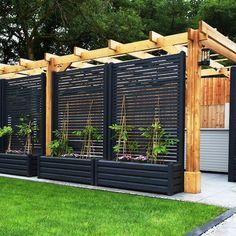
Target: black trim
54 102
106 111
181 114
111 107
43 114
232 127
218 220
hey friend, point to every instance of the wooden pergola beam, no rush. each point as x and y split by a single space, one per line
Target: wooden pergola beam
216 36
217 47
78 51
11 76
35 64
121 49
217 67
81 65
11 69
212 72
22 73
24 65
153 36
112 44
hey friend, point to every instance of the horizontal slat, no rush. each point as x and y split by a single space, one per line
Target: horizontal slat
13 171
133 186
12 161
65 172
13 167
67 178
65 160
132 172
133 165
65 166
136 179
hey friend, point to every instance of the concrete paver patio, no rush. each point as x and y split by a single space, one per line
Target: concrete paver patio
216 190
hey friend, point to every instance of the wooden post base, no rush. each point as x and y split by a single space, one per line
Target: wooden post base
192 182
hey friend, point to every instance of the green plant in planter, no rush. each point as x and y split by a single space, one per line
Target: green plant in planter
60 145
132 146
88 134
26 130
123 145
159 140
7 131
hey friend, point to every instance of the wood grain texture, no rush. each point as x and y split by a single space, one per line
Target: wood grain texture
215 92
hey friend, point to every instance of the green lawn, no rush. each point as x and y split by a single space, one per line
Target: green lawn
29 208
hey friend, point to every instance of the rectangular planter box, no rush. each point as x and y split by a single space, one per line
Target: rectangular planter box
157 178
18 164
67 169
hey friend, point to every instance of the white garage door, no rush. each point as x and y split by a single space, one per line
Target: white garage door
214 150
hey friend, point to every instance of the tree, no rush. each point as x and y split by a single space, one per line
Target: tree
30 28
221 15
27 26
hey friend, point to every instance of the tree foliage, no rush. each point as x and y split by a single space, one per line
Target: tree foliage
30 28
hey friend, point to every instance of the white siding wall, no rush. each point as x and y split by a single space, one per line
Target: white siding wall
214 150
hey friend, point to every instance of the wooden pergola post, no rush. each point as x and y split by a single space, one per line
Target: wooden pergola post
50 69
192 177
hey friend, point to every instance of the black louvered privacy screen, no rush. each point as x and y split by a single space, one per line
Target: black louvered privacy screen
152 85
21 98
232 127
79 88
143 82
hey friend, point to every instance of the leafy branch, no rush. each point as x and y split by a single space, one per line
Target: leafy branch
27 129
88 134
7 131
122 130
60 145
159 140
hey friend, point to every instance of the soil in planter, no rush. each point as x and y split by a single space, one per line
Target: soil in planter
130 158
15 152
75 155
141 159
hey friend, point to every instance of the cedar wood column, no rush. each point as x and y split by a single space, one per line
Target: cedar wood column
50 69
192 177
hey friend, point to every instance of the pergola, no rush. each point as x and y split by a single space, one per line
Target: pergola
191 42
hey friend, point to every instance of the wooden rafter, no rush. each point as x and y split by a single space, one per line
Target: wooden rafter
121 49
114 45
208 37
212 72
78 51
217 36
218 42
217 67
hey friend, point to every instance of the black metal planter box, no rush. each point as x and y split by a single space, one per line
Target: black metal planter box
157 178
67 169
18 164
